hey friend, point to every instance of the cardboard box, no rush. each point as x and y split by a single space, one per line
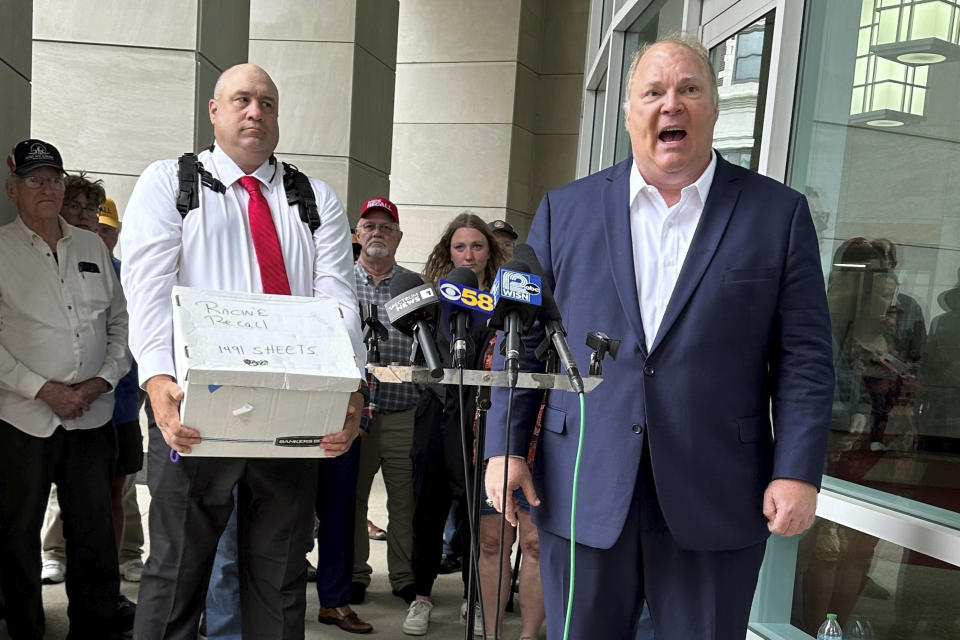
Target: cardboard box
264 376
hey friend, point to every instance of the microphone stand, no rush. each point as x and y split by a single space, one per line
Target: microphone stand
512 348
473 576
460 347
390 374
547 354
373 332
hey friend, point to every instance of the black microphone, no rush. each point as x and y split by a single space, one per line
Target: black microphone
516 301
550 317
413 309
459 300
373 332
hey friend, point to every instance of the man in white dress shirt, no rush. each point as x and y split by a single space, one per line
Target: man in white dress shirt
63 337
218 245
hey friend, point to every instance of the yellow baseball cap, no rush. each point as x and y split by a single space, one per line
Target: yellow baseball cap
108 213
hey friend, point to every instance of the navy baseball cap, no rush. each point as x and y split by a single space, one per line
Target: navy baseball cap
33 154
503 225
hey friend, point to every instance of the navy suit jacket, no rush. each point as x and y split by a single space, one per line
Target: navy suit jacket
745 338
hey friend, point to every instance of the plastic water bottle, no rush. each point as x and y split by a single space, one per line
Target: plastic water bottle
830 629
860 629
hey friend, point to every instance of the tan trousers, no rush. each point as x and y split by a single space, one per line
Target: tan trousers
131 547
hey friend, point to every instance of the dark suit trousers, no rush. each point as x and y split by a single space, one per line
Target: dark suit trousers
191 501
691 594
81 463
336 505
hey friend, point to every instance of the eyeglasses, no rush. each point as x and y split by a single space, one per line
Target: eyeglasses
36 182
75 206
369 227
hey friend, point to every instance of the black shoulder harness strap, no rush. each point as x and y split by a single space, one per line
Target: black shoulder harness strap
189 170
299 192
295 184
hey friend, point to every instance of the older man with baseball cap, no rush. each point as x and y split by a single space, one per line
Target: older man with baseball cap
389 435
63 347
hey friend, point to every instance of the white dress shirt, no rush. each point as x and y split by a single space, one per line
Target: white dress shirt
661 238
212 249
62 319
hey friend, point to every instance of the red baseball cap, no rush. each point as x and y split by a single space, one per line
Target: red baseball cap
382 204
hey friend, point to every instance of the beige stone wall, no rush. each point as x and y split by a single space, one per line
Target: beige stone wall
335 70
15 74
119 84
442 105
487 111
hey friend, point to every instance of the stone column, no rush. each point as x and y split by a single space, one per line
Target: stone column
117 85
487 110
15 46
334 64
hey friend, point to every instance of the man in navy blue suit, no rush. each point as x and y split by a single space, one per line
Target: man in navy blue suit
709 430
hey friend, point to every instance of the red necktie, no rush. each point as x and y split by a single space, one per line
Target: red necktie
273 273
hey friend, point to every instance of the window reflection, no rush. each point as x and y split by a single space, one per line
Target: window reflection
749 52
940 377
878 336
879 590
896 417
741 63
884 202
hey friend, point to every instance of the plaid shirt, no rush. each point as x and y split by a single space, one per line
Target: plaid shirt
397 347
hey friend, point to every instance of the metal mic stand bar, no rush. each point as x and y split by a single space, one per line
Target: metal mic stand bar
394 374
403 373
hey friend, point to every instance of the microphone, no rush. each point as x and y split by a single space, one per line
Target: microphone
413 309
373 332
550 317
462 305
516 298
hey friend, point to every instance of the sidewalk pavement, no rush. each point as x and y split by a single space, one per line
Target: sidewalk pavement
381 609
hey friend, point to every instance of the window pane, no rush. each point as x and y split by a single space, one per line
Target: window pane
748 68
879 590
741 63
599 104
750 42
883 192
659 20
888 25
932 20
606 13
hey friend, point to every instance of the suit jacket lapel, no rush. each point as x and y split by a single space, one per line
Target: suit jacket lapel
616 226
723 196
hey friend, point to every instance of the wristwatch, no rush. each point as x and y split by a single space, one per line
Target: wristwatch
364 390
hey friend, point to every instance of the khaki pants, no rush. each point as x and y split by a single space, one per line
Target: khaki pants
387 448
131 546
